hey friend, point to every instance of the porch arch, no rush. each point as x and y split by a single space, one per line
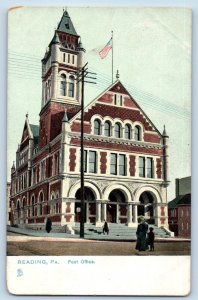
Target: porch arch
128 195
93 187
154 192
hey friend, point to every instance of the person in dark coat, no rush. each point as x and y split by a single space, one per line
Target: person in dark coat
105 227
48 226
141 234
151 238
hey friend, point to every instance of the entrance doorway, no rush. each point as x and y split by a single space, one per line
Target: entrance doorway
117 207
146 207
90 205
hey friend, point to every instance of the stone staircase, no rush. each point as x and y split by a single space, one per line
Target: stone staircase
116 232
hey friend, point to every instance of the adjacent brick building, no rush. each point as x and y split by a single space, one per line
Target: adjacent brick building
179 209
126 157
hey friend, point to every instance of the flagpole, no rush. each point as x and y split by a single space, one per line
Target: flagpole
112 54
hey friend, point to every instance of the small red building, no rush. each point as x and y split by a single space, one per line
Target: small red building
179 210
126 157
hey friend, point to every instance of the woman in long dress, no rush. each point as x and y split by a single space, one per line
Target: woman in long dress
141 234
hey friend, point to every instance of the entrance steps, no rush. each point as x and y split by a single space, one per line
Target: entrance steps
116 232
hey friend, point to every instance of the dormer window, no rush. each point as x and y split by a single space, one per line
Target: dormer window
67 25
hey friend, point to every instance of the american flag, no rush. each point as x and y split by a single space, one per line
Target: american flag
103 53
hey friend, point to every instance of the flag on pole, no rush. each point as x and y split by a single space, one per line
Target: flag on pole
103 53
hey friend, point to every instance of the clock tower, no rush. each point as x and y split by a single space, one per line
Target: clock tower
60 92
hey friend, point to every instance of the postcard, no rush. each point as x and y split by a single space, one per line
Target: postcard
99 151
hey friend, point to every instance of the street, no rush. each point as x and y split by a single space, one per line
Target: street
23 245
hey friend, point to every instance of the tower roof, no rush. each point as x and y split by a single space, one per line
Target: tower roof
65 118
66 25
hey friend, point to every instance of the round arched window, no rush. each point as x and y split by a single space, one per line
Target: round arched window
97 127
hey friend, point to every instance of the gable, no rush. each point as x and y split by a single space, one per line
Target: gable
25 134
116 102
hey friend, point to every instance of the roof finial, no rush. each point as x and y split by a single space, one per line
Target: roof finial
117 75
164 132
26 115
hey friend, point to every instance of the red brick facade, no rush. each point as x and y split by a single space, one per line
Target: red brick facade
103 162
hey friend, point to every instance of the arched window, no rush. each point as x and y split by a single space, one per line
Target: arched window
40 208
117 130
71 86
127 131
137 133
107 128
97 127
63 85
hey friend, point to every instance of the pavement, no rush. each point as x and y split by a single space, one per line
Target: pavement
22 234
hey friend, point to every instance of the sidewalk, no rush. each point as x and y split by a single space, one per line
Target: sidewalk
27 234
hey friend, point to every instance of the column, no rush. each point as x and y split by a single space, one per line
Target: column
87 213
105 211
98 214
135 214
117 213
129 213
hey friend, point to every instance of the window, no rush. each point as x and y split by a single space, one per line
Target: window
127 131
71 86
115 99
42 170
56 163
97 127
73 59
149 167
49 88
33 206
46 89
107 128
63 85
63 57
120 100
141 166
41 204
68 58
92 162
34 176
113 164
118 164
122 165
117 130
137 133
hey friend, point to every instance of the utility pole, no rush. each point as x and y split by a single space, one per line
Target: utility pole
82 75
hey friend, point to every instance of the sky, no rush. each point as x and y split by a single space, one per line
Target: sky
152 51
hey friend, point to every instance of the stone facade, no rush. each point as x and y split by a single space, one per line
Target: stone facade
126 157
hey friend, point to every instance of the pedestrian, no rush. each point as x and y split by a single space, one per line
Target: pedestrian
141 234
48 226
151 238
105 227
